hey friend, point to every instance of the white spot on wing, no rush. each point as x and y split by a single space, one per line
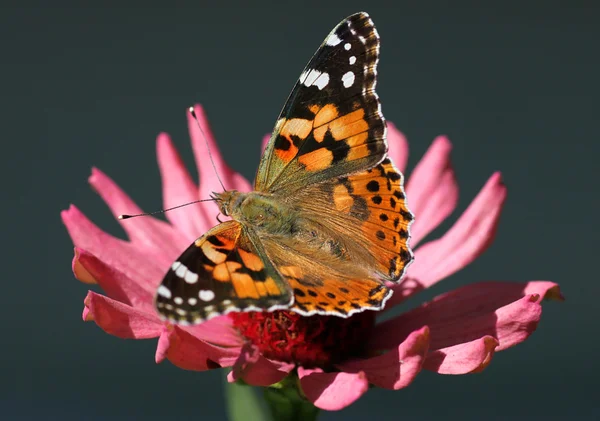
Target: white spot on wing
348 79
163 291
314 78
192 301
206 295
322 81
178 300
352 60
191 277
181 270
333 40
347 46
175 265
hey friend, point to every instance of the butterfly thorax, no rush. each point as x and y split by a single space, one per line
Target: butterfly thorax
260 211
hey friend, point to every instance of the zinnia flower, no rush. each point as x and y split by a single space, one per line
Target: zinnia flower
335 359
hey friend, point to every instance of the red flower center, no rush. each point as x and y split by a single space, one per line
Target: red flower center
315 341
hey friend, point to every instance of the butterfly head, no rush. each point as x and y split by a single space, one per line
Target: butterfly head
228 201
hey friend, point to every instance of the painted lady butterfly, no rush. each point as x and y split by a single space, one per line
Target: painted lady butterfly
327 223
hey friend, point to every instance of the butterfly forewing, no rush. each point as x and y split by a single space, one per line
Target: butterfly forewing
331 124
222 271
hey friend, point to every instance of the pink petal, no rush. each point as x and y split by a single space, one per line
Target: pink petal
118 254
466 240
120 319
332 391
397 146
431 191
257 370
218 331
179 188
209 182
190 353
470 357
116 285
505 310
148 234
397 368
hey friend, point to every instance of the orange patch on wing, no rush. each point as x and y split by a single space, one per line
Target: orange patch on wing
326 114
213 255
345 131
357 140
272 287
293 271
244 286
251 260
319 133
348 119
358 152
341 198
261 289
223 271
317 160
314 108
297 127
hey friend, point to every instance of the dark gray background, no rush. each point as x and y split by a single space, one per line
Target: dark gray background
515 88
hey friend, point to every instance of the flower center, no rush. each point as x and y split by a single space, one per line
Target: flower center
315 341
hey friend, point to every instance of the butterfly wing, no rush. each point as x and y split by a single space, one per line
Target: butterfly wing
351 235
224 270
371 208
331 124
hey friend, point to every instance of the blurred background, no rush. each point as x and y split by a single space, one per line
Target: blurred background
513 84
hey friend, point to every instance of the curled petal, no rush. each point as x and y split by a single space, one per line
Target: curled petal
397 368
179 188
397 146
466 240
332 391
120 319
432 191
202 141
118 254
80 272
257 370
148 234
190 353
116 285
470 357
507 311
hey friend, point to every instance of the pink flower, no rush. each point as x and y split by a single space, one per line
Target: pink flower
456 333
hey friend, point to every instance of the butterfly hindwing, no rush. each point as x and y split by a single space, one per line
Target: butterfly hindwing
334 296
222 271
331 124
384 218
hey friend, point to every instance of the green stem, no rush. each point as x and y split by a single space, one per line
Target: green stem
243 403
284 402
287 403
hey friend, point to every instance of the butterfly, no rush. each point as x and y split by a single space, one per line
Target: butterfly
327 223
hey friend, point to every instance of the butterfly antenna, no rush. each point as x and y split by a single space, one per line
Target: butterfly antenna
193 113
164 210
